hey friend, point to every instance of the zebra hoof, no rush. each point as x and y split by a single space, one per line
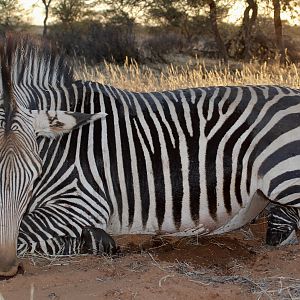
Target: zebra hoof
96 241
279 238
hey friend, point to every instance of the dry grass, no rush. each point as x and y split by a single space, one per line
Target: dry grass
275 287
193 73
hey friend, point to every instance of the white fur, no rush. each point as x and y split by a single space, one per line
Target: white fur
48 129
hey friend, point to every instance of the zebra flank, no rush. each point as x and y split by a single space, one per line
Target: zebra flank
81 160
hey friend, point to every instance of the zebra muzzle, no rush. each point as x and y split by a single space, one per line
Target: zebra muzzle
9 264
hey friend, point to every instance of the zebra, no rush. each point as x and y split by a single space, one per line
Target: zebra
82 161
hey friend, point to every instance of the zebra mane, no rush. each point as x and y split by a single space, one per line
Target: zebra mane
32 73
7 99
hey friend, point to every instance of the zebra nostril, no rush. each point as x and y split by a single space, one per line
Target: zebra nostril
21 269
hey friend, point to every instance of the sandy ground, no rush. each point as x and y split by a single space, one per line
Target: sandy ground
233 266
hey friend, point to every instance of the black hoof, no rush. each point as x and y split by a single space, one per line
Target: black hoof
282 225
96 241
278 238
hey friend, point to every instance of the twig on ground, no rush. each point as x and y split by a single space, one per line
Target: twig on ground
155 263
163 279
198 281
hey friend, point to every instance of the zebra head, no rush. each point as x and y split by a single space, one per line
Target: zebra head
22 120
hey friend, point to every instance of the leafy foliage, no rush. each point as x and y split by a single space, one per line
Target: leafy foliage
70 11
10 14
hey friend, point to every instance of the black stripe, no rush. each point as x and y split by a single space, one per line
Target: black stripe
281 178
231 98
294 203
205 105
194 171
193 155
126 156
211 155
159 182
216 111
141 163
228 160
283 153
142 170
295 189
113 144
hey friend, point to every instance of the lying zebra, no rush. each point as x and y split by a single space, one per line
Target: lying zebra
80 159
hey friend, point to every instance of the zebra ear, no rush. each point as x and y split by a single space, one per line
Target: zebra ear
52 123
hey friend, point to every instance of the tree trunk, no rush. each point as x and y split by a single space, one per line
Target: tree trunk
46 5
248 26
278 31
215 29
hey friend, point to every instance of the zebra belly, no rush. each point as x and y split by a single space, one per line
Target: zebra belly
223 223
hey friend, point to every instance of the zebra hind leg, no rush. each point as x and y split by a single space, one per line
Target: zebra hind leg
96 241
282 225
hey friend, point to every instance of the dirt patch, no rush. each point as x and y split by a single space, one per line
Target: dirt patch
207 251
232 266
218 252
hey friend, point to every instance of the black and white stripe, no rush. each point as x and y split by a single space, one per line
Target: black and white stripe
186 161
183 162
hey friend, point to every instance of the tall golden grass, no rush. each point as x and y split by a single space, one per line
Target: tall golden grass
135 77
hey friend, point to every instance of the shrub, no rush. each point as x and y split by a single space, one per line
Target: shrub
96 42
155 47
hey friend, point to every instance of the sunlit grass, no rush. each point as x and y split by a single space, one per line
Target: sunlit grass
135 77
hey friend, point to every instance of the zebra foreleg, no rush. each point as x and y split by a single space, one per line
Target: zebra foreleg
59 245
282 225
96 241
92 241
